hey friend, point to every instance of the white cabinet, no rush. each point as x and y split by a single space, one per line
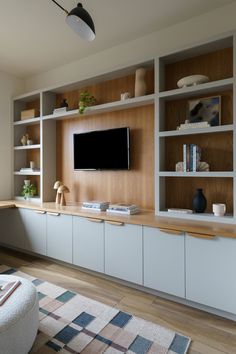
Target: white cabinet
123 251
12 230
34 223
88 243
210 272
164 267
59 236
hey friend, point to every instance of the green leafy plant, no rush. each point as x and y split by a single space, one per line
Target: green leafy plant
28 191
85 100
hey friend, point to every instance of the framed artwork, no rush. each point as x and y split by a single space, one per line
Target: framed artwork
206 109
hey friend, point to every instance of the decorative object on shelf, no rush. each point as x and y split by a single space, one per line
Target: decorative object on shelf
29 190
199 201
179 211
57 184
30 142
79 21
140 84
125 96
219 209
192 80
62 190
95 205
121 208
201 167
206 109
29 113
85 100
188 125
64 103
24 139
32 164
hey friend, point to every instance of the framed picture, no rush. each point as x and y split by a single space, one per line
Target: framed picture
206 109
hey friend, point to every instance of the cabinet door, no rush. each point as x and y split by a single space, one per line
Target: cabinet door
164 261
35 230
123 251
210 272
12 228
59 236
88 243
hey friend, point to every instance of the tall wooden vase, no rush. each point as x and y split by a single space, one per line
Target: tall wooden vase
140 84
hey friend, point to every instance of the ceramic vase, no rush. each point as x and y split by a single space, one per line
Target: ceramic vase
140 84
199 201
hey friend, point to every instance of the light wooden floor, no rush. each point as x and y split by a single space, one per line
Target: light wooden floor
210 334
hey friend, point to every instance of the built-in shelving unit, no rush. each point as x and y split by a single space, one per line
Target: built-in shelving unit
176 189
44 130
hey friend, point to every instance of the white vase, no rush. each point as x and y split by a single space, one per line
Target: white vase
140 84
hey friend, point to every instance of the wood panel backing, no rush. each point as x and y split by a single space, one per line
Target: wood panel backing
176 112
34 105
133 186
34 134
180 192
107 91
216 65
216 149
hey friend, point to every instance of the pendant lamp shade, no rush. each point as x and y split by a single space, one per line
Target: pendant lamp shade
81 23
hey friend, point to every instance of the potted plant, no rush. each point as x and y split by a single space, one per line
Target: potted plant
29 189
85 100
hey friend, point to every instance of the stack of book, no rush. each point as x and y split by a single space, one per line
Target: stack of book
120 208
6 289
60 110
191 157
194 125
95 205
29 170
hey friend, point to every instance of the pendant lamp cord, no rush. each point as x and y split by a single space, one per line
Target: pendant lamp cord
55 2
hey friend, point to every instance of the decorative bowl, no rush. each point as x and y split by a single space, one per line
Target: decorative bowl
192 80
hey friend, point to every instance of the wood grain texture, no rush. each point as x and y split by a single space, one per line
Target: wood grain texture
107 91
216 149
133 186
176 111
34 105
210 334
180 191
145 217
216 65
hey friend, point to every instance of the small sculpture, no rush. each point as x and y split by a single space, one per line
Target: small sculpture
61 190
57 184
24 139
192 80
140 84
64 103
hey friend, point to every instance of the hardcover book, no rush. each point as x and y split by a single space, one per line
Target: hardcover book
6 289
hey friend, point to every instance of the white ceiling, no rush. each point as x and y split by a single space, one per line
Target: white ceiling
35 38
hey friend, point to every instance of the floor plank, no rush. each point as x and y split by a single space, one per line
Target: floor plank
210 334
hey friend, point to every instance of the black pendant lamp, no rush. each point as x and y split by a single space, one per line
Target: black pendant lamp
80 21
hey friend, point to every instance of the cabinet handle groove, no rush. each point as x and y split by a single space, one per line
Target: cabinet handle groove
205 236
117 223
94 220
40 212
169 231
53 214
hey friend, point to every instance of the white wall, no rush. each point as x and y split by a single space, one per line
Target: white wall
9 87
186 33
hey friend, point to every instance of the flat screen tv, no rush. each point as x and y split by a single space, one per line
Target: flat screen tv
102 150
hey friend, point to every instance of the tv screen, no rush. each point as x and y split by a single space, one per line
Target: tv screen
102 150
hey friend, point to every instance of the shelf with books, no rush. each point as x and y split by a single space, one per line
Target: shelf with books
212 104
27 173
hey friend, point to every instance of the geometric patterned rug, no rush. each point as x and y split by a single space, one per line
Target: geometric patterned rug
72 324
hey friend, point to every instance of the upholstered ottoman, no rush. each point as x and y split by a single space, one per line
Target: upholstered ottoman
19 318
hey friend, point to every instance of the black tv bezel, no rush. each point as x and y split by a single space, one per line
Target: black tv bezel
104 169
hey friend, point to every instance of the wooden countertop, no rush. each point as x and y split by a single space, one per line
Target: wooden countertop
145 217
